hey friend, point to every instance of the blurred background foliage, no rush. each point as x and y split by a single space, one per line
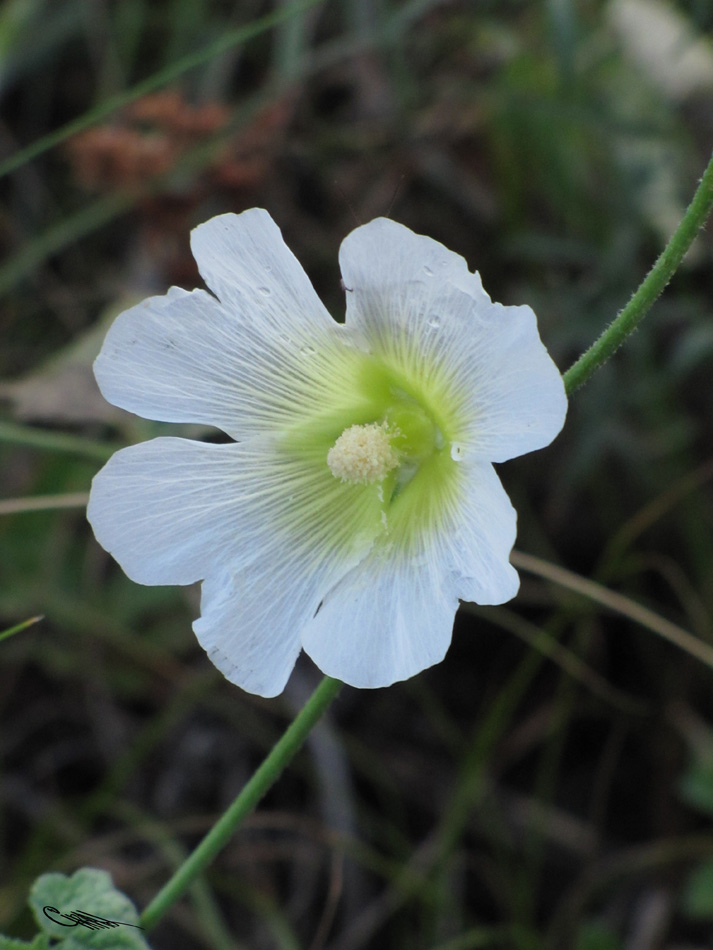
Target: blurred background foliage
550 784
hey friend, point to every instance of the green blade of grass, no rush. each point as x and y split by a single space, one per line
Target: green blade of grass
618 603
16 506
11 631
157 81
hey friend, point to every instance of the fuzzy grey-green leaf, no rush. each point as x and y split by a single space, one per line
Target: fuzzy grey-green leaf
90 892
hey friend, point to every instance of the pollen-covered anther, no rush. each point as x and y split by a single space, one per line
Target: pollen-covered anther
363 454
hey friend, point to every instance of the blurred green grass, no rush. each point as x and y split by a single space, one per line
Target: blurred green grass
525 793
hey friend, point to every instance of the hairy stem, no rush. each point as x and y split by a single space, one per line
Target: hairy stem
650 288
268 773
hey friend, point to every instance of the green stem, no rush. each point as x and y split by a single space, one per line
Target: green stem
18 627
34 438
651 287
268 773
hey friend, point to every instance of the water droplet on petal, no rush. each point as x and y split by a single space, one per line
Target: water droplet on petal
265 291
427 270
456 452
434 321
307 349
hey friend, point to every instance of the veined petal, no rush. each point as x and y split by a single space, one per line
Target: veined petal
389 266
251 618
264 356
167 509
481 366
250 269
517 398
173 511
387 619
271 532
480 524
392 615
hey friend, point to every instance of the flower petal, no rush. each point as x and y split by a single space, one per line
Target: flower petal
269 530
388 619
481 524
262 357
250 622
392 615
252 615
483 364
247 265
167 509
517 396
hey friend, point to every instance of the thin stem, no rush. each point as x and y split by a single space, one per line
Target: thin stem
618 603
55 441
291 46
651 287
13 506
20 626
268 773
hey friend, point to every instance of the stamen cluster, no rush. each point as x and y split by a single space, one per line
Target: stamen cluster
363 454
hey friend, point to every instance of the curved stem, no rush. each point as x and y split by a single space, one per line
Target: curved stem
268 773
652 285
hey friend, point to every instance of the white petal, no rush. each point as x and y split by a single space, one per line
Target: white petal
250 622
167 509
422 311
248 266
392 615
382 255
517 397
481 523
251 618
171 510
262 357
252 615
270 531
387 620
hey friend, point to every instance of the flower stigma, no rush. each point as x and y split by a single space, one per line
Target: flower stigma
363 454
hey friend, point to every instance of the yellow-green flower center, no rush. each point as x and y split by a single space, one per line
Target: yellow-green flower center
376 455
416 435
380 450
367 453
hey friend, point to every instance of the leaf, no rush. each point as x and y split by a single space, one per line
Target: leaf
91 892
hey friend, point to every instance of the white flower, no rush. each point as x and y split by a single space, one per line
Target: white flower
358 503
